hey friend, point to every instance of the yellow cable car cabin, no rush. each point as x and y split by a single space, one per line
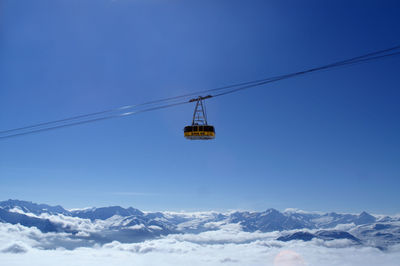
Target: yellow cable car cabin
199 130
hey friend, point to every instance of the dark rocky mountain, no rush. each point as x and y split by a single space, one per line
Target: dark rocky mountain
322 234
305 236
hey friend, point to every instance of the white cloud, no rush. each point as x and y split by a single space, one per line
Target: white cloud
171 252
295 210
20 211
155 227
15 248
133 193
344 227
228 245
136 227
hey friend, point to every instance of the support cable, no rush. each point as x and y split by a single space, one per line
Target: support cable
130 109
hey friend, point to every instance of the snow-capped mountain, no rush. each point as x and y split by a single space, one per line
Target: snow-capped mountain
30 207
128 225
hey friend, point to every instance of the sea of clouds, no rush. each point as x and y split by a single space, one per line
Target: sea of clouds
228 245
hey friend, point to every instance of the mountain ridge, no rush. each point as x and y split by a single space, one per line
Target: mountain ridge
115 223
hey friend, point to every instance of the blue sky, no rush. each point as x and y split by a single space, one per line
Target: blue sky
327 141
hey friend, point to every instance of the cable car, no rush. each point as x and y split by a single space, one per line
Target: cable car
199 130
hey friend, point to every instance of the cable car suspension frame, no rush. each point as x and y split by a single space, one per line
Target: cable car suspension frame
199 130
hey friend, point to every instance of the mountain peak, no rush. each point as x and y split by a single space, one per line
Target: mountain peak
30 207
364 213
364 218
104 213
272 210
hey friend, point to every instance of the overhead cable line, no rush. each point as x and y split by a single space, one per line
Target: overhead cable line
278 78
242 85
92 120
130 109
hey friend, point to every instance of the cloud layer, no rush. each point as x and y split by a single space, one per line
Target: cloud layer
32 234
228 245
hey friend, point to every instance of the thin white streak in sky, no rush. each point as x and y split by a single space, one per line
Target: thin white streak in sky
131 193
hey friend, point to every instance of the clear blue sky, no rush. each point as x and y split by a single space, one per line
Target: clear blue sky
328 141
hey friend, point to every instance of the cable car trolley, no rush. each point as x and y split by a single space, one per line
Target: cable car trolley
200 129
